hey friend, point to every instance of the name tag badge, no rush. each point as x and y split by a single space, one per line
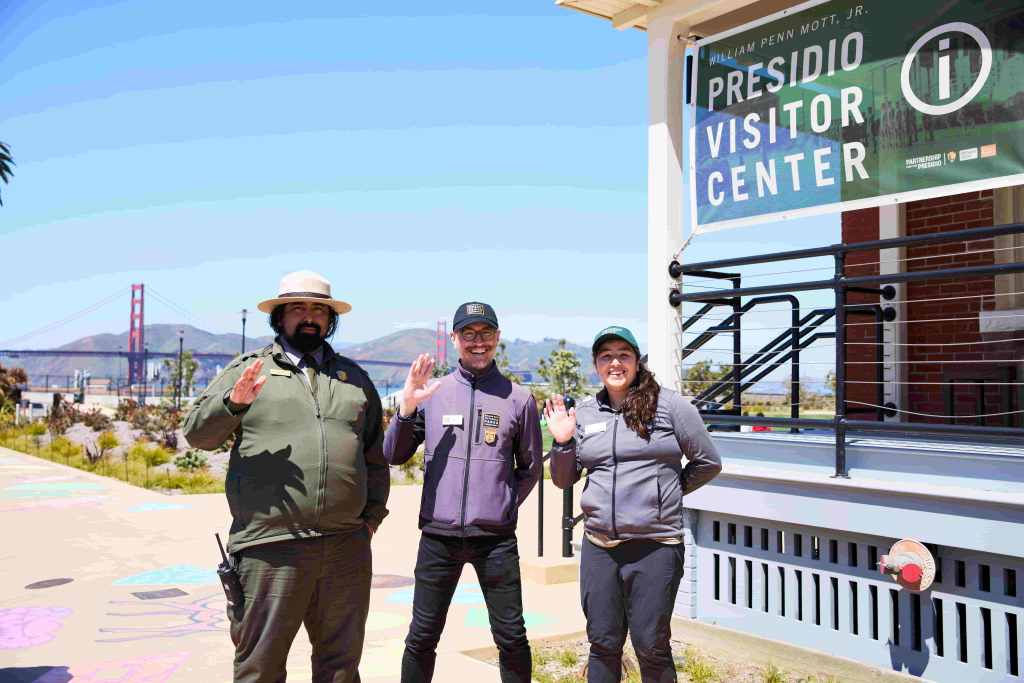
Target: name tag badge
451 421
280 373
595 428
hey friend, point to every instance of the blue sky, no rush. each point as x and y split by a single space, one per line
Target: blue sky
417 154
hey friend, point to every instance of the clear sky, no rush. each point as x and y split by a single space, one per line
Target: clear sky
417 154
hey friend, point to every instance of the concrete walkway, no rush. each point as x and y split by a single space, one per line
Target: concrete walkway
103 581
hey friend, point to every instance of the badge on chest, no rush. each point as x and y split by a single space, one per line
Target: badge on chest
595 428
451 420
491 422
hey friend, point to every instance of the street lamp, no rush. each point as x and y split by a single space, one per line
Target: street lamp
244 311
181 347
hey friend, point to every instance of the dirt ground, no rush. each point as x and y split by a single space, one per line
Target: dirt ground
706 654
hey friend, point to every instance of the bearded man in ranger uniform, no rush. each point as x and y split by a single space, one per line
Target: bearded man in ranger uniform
306 484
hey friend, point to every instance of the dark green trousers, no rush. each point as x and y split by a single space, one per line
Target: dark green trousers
323 583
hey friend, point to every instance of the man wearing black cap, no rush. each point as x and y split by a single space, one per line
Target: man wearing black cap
482 456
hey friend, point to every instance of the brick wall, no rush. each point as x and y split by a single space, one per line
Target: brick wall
942 302
861 226
938 311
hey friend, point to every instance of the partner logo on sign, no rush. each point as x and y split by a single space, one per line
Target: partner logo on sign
944 77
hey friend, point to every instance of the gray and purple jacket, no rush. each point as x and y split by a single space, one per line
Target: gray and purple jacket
635 487
482 454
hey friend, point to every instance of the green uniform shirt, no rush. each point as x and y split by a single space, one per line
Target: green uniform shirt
302 465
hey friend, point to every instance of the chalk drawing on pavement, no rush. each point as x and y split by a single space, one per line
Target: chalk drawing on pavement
48 583
464 595
159 595
391 581
48 489
148 669
184 574
477 618
167 618
22 627
27 505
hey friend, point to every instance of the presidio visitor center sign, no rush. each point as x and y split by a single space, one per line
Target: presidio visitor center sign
836 105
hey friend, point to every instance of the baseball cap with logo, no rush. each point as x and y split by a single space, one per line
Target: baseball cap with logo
473 312
615 332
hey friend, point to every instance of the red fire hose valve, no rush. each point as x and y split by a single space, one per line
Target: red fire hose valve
910 564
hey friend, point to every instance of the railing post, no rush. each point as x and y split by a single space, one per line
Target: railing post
540 511
794 366
567 522
737 349
840 419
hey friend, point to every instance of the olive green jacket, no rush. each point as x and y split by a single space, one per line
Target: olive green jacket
302 465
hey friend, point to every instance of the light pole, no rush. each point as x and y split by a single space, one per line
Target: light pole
181 348
244 311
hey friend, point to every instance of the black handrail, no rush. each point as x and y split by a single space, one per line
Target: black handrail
842 285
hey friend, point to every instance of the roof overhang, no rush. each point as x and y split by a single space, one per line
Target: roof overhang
706 17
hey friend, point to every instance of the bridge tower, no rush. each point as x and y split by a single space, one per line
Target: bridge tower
441 344
136 336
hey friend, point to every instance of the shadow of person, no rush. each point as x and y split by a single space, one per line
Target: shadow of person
907 660
256 484
435 470
35 674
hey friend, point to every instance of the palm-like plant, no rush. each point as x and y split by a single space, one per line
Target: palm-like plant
5 165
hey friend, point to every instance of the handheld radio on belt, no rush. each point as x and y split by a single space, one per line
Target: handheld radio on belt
229 581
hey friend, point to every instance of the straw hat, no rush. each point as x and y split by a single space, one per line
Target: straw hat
304 285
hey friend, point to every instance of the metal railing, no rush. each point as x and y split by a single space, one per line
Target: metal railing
842 285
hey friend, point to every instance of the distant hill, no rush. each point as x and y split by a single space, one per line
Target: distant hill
402 346
163 338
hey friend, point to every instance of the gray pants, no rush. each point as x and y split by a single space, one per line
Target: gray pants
323 583
630 587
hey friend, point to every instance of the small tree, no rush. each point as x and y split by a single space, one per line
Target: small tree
104 443
562 370
701 375
36 431
189 366
504 364
10 381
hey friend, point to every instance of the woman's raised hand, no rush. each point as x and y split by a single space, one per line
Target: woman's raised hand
561 423
416 389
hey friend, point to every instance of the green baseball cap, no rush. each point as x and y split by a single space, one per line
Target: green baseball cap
615 332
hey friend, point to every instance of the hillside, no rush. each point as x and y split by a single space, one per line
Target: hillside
401 346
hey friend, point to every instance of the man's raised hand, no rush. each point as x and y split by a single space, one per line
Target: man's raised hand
249 385
561 423
416 389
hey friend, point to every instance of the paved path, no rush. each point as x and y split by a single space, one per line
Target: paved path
103 581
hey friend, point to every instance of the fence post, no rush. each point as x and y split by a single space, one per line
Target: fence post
840 420
540 511
567 522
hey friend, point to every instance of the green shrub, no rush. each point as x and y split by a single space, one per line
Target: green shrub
697 668
192 460
773 674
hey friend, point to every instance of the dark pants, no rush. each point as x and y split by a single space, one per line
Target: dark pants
631 586
438 567
323 583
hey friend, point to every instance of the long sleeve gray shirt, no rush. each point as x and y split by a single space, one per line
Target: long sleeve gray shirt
635 487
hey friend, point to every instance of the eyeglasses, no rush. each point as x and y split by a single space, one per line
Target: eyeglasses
474 335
